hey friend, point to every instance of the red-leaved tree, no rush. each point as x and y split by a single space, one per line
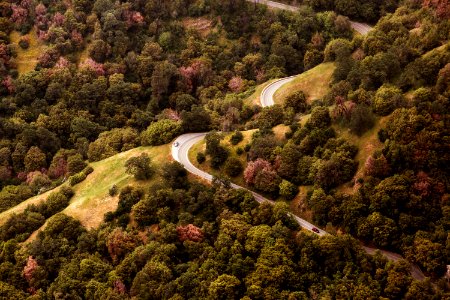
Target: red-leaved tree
190 232
29 269
236 84
253 168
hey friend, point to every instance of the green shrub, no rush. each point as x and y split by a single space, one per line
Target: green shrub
201 157
75 163
55 203
140 167
77 178
236 138
288 190
233 167
113 190
387 99
239 151
161 132
88 170
67 191
24 43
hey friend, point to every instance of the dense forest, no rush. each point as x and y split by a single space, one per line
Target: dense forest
110 76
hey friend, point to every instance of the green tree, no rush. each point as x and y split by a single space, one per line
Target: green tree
387 99
161 132
75 163
140 167
288 190
233 167
175 175
297 101
35 159
320 118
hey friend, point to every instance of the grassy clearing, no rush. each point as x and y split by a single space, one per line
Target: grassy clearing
27 58
315 83
92 200
367 144
280 131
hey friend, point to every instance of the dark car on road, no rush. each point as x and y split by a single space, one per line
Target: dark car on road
314 229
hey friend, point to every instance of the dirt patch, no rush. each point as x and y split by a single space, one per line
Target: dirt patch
27 59
201 25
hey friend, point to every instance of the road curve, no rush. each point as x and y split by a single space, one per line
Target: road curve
362 28
180 152
268 92
182 145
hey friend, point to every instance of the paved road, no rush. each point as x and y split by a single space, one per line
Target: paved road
181 146
180 151
268 92
362 28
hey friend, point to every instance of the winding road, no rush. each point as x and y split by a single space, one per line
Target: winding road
362 28
180 152
182 144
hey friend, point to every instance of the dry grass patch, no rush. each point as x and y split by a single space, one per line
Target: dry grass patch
27 59
280 132
201 25
367 144
92 200
315 83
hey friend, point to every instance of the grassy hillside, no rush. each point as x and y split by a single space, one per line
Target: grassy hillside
91 200
27 58
315 83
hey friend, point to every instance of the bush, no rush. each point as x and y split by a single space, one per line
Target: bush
139 167
387 99
201 157
361 119
12 195
288 190
128 197
219 157
77 178
297 101
88 170
75 163
24 43
113 190
161 132
239 151
233 167
56 202
236 138
67 191
247 147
